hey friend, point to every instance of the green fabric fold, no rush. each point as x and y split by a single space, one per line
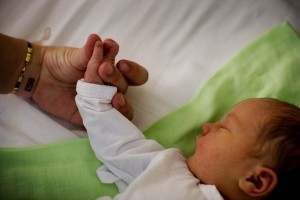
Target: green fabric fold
268 67
63 170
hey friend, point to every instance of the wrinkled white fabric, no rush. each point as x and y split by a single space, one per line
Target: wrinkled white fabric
140 167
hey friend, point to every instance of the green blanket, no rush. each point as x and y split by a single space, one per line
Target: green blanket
267 67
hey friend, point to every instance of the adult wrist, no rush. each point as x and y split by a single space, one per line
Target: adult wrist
31 74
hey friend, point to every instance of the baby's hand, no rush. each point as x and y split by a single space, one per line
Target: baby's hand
91 74
102 62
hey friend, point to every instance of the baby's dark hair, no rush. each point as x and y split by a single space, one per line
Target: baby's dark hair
283 130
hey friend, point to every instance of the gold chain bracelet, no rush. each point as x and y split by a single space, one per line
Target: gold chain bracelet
27 61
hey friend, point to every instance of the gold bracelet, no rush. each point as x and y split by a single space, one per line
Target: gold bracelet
27 61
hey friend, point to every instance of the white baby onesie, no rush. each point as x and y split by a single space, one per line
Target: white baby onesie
141 168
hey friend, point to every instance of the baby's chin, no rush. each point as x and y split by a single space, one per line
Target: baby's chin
192 165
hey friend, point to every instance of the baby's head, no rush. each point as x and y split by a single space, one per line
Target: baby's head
253 152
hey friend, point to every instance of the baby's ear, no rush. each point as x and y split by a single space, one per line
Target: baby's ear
260 182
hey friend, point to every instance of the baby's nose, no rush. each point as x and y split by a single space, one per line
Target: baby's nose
205 128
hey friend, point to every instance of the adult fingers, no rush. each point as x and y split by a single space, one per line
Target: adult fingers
122 105
112 76
76 119
134 73
125 73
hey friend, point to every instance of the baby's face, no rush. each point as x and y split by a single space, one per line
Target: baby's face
222 151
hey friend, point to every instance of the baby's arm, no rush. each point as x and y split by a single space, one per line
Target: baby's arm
115 140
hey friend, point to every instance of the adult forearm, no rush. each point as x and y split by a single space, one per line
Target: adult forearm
12 55
13 52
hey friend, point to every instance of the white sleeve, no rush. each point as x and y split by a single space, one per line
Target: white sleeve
117 143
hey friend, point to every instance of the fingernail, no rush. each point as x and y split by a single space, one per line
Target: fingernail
124 67
109 69
122 101
98 44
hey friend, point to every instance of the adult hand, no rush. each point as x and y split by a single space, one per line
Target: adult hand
61 67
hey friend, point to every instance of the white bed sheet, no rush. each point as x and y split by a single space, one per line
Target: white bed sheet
181 43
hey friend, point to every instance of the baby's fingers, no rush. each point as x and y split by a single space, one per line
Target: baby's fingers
111 49
91 74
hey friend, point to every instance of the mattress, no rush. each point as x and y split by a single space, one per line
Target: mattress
181 44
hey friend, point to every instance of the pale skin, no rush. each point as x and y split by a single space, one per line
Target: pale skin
223 156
